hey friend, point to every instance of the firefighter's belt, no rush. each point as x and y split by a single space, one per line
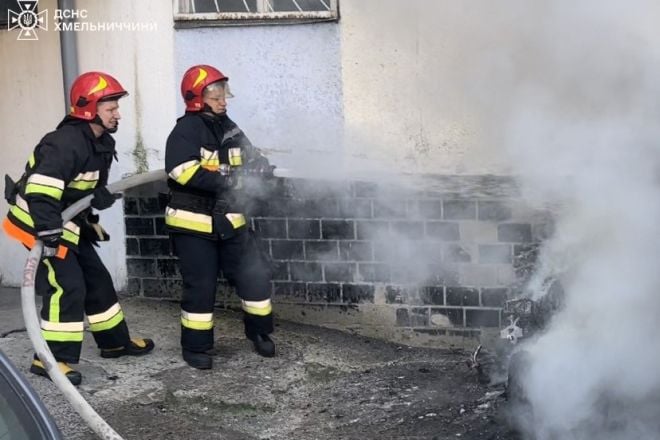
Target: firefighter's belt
191 202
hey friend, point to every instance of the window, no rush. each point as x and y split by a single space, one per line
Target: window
192 13
23 415
5 6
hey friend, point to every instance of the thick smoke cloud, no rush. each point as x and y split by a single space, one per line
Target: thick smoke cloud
581 119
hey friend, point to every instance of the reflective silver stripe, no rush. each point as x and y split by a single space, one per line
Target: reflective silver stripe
21 203
208 154
41 179
180 169
62 326
237 220
104 316
197 317
231 133
257 304
88 176
71 226
49 232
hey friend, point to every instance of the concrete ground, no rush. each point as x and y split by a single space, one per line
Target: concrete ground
323 384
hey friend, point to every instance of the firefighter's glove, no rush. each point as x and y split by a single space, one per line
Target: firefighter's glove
51 241
93 231
103 199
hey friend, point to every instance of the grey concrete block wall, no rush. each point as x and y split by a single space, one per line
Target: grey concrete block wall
441 258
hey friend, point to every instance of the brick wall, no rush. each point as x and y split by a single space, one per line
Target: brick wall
431 262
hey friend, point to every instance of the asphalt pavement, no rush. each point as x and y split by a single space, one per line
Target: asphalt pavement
323 384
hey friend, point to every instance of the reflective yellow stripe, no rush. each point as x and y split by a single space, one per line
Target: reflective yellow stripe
196 325
62 336
211 165
259 308
82 184
107 325
235 157
74 228
70 236
54 308
31 160
184 172
42 184
42 179
89 176
22 215
202 317
71 232
85 181
104 316
34 188
77 326
237 220
197 321
193 221
208 154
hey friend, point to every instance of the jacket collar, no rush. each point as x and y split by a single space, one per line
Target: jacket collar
103 144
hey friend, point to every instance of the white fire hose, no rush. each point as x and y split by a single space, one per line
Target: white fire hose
89 415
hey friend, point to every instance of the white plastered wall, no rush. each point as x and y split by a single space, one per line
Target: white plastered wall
32 85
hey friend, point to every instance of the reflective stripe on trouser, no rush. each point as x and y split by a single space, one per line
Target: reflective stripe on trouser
200 261
258 317
71 287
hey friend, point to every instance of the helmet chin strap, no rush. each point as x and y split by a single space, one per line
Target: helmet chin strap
97 120
209 110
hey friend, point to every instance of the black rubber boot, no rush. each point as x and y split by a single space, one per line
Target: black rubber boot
264 345
201 361
74 376
136 347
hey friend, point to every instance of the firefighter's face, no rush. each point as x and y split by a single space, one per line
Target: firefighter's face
108 112
215 96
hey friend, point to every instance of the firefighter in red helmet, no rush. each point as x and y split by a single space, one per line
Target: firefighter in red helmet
205 152
68 164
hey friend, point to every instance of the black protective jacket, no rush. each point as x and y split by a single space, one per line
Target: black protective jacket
66 165
199 146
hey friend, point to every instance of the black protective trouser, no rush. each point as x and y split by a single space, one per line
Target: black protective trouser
200 263
72 287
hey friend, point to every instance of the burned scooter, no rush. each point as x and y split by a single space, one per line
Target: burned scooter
503 364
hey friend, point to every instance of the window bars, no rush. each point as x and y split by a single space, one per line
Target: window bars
255 11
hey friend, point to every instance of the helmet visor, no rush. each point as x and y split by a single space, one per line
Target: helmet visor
219 89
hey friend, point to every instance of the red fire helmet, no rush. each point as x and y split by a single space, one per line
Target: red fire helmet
89 89
193 83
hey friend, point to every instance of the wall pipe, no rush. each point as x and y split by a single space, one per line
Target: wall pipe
68 53
89 415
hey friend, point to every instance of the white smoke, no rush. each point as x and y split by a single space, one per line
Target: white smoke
583 124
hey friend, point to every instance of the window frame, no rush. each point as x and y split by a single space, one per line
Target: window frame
203 19
4 13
